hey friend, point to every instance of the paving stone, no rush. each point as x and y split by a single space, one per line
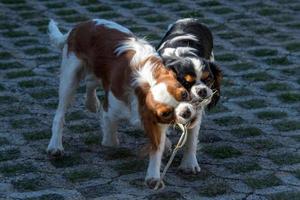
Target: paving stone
249 143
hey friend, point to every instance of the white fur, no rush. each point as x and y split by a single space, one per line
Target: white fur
184 20
142 48
212 57
69 79
198 66
179 51
184 37
162 95
145 75
183 106
111 25
189 161
199 86
57 39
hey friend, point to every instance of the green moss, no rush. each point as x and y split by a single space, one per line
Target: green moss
264 30
257 76
24 123
2 88
262 144
222 10
110 15
268 11
26 42
82 128
269 115
8 26
285 196
14 110
32 83
92 139
294 25
16 169
76 115
245 42
74 18
37 135
289 97
13 2
237 92
100 8
45 94
82 175
287 125
9 154
30 14
119 153
3 141
214 189
132 5
230 35
218 108
210 3
5 55
294 47
28 184
65 12
36 51
222 152
21 73
253 104
263 52
241 66
67 161
47 197
10 65
227 57
270 87
155 18
243 167
285 159
88 2
228 121
191 14
247 132
130 167
8 99
164 1
263 182
56 5
278 61
15 34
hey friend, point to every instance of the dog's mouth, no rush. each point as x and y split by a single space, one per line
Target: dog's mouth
201 102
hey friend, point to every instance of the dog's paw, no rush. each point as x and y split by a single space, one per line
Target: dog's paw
189 166
152 182
92 104
55 152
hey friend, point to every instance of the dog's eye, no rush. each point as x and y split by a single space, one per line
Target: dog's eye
167 114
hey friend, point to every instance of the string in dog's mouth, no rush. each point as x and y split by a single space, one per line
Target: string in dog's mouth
200 102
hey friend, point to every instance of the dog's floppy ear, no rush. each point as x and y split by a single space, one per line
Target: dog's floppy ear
218 76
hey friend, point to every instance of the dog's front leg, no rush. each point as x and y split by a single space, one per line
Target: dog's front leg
153 171
189 163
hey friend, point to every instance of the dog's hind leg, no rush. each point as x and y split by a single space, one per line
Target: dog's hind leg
92 102
71 67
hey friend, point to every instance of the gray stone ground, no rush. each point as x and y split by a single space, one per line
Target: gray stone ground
249 146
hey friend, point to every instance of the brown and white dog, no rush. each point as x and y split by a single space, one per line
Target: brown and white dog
136 84
187 49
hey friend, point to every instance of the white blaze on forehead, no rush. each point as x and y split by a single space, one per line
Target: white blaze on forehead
198 66
111 25
161 94
184 37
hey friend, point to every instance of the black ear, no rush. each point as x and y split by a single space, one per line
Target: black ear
218 76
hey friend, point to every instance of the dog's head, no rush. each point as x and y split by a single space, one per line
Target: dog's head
202 78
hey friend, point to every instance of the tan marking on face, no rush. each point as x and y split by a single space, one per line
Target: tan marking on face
189 78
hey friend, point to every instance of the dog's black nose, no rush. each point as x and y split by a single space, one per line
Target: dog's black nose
185 96
186 114
202 92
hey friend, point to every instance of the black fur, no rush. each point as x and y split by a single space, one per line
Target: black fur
202 48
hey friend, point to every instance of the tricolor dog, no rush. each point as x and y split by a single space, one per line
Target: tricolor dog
187 49
135 81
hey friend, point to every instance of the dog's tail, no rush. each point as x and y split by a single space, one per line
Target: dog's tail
57 38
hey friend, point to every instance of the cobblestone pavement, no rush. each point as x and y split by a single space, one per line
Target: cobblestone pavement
249 146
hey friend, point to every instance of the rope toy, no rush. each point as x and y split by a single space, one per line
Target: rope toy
179 145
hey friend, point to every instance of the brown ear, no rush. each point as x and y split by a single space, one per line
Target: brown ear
218 76
148 119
